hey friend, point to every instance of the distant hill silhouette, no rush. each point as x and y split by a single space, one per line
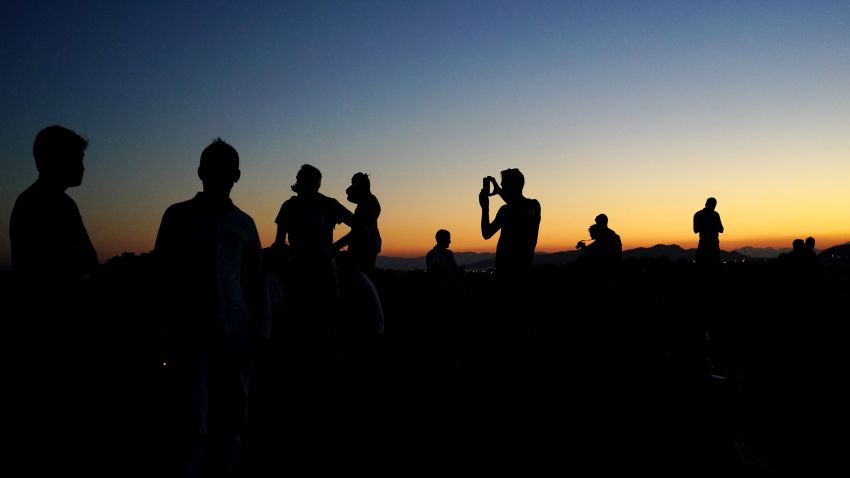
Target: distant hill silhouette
475 261
762 252
837 256
408 263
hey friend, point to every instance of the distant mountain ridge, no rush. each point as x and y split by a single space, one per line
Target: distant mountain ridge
477 261
762 252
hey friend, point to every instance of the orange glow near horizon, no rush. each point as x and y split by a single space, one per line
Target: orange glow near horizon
657 208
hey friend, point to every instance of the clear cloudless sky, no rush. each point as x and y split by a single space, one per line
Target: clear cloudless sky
640 110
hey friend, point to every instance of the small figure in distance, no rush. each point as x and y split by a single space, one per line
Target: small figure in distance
811 255
709 227
606 243
364 239
518 219
440 260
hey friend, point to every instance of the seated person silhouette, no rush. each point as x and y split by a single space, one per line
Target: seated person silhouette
211 264
440 260
364 239
610 241
605 248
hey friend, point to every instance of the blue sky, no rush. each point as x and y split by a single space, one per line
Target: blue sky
638 109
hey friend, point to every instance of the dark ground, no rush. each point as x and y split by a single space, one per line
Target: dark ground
653 368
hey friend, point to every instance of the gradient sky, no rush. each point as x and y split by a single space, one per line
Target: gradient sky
640 110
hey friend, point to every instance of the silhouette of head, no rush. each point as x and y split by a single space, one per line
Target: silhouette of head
798 245
58 154
710 204
594 231
512 183
444 238
219 168
810 243
360 187
308 180
602 220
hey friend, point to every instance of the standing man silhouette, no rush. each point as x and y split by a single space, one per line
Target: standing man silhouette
707 224
53 339
212 265
305 226
513 317
518 219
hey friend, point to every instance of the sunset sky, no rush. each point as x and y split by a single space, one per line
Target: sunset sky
640 110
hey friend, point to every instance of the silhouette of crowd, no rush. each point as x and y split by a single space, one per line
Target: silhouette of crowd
253 343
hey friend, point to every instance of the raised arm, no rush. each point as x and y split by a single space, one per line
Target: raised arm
487 228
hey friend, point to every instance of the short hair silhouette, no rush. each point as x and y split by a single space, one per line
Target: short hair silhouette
602 220
442 236
53 146
711 203
513 179
308 179
218 157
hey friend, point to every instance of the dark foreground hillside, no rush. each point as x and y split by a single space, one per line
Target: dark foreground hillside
652 367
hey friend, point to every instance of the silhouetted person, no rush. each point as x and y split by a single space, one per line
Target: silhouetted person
212 266
606 246
305 226
811 255
49 242
52 335
709 227
440 260
364 239
513 319
518 219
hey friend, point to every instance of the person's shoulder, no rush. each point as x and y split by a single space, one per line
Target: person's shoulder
181 208
244 218
290 204
293 201
329 200
533 203
242 215
28 199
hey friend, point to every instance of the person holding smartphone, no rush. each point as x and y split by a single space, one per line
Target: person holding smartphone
518 220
